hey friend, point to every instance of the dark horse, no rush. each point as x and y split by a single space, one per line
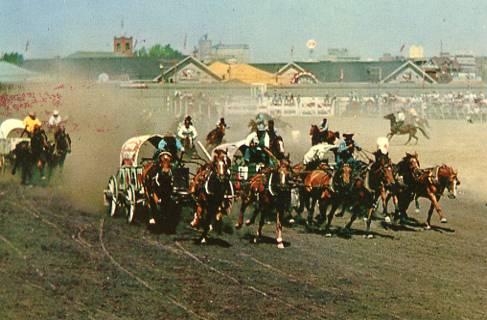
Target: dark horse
327 136
211 187
409 129
215 136
277 148
60 149
36 154
158 182
24 160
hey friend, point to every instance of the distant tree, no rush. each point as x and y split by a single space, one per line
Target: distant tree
159 51
13 57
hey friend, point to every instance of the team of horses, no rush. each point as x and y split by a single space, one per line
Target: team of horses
41 154
358 187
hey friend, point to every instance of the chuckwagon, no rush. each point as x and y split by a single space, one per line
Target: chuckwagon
8 129
125 190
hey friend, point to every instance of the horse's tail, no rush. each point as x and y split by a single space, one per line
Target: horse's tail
423 132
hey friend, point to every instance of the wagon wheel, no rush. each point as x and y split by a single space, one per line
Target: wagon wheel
130 204
111 196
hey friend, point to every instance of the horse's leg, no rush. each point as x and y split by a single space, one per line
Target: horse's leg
416 203
369 221
416 138
279 216
243 206
435 201
409 139
261 223
311 207
352 219
428 219
334 207
322 207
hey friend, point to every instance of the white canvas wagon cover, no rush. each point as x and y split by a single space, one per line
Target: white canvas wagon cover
130 149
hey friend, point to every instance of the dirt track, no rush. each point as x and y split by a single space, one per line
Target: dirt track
61 257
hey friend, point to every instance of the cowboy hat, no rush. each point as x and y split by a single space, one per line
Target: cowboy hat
383 144
348 136
32 113
55 113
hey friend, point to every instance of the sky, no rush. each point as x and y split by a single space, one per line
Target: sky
49 28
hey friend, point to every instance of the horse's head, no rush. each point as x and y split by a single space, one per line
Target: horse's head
345 174
332 136
284 170
220 164
277 147
388 175
412 161
450 176
313 130
164 163
390 116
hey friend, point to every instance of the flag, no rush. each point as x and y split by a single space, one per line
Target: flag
27 46
185 41
342 75
402 47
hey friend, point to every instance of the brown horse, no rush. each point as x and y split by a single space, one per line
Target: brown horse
272 191
215 136
382 182
431 184
341 189
409 129
328 136
362 202
157 181
317 188
250 193
211 192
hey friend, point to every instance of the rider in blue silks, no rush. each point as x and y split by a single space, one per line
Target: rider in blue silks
346 150
169 144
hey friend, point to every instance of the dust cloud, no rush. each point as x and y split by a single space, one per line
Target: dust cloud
102 117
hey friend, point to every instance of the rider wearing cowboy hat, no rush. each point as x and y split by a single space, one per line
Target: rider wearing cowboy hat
30 122
346 149
187 129
55 119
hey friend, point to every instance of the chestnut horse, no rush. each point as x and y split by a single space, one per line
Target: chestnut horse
212 195
328 136
157 181
215 136
384 185
272 191
431 184
317 188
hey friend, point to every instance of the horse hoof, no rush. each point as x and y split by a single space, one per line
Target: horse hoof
152 221
203 241
280 245
428 227
256 240
211 227
248 222
370 236
443 220
238 225
292 221
328 235
387 219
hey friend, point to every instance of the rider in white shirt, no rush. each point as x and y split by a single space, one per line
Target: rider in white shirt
55 120
187 130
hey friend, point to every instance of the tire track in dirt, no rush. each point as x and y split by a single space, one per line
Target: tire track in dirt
138 279
180 250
